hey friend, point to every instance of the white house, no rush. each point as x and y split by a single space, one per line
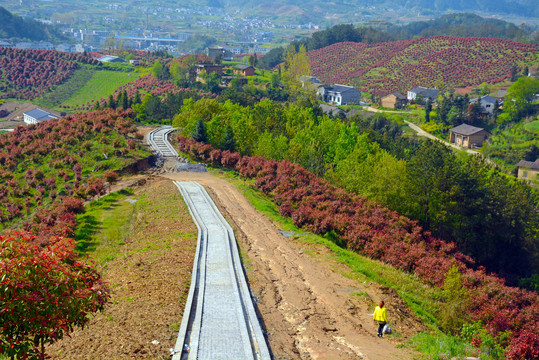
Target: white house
38 115
111 59
424 92
487 103
339 94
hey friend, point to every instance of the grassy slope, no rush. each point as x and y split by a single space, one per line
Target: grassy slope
101 85
86 85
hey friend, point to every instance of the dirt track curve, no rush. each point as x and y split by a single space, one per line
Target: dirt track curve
306 304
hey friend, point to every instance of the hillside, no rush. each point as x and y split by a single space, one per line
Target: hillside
13 26
462 25
26 74
39 172
439 61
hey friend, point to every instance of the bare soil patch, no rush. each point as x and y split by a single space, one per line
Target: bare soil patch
311 306
149 279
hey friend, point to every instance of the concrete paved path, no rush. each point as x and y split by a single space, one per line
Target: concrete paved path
219 320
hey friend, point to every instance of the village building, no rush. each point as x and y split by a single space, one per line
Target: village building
488 103
339 94
528 170
38 115
307 80
422 92
395 100
208 69
110 59
219 53
244 70
468 136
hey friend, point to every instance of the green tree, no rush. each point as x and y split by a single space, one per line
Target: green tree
514 73
125 100
428 109
157 69
454 315
296 64
253 60
520 96
199 134
111 103
228 142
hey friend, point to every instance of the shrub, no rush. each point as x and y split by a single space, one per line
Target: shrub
45 292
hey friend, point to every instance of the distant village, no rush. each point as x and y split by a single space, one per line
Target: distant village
249 34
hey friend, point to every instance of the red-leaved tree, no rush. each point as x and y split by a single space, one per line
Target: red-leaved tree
45 292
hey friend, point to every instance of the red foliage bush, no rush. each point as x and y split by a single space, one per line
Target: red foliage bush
28 73
45 292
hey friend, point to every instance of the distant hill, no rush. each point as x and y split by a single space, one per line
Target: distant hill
462 25
439 61
13 26
527 8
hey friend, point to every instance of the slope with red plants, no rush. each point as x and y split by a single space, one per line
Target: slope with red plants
48 169
439 61
377 232
26 73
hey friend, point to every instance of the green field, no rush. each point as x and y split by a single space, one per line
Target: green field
532 126
101 85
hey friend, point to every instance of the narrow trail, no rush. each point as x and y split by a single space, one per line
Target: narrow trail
426 134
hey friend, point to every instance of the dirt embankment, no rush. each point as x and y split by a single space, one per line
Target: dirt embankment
149 277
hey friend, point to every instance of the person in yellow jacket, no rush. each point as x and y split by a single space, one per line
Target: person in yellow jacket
380 316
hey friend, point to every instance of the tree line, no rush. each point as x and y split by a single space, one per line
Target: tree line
457 197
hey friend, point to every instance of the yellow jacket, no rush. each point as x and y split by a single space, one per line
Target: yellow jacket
380 314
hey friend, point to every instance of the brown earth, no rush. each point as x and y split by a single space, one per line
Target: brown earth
149 279
313 307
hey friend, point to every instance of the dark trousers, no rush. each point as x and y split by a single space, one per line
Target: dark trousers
381 325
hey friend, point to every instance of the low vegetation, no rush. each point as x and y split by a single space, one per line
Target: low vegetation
84 87
26 74
46 165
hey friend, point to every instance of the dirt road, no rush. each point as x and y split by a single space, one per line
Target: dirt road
307 304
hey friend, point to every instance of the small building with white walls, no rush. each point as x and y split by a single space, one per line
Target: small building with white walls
37 115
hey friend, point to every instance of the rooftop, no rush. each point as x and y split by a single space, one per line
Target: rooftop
465 129
40 115
529 164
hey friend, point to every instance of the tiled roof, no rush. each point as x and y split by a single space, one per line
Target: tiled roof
465 129
529 164
40 115
341 88
242 67
425 92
